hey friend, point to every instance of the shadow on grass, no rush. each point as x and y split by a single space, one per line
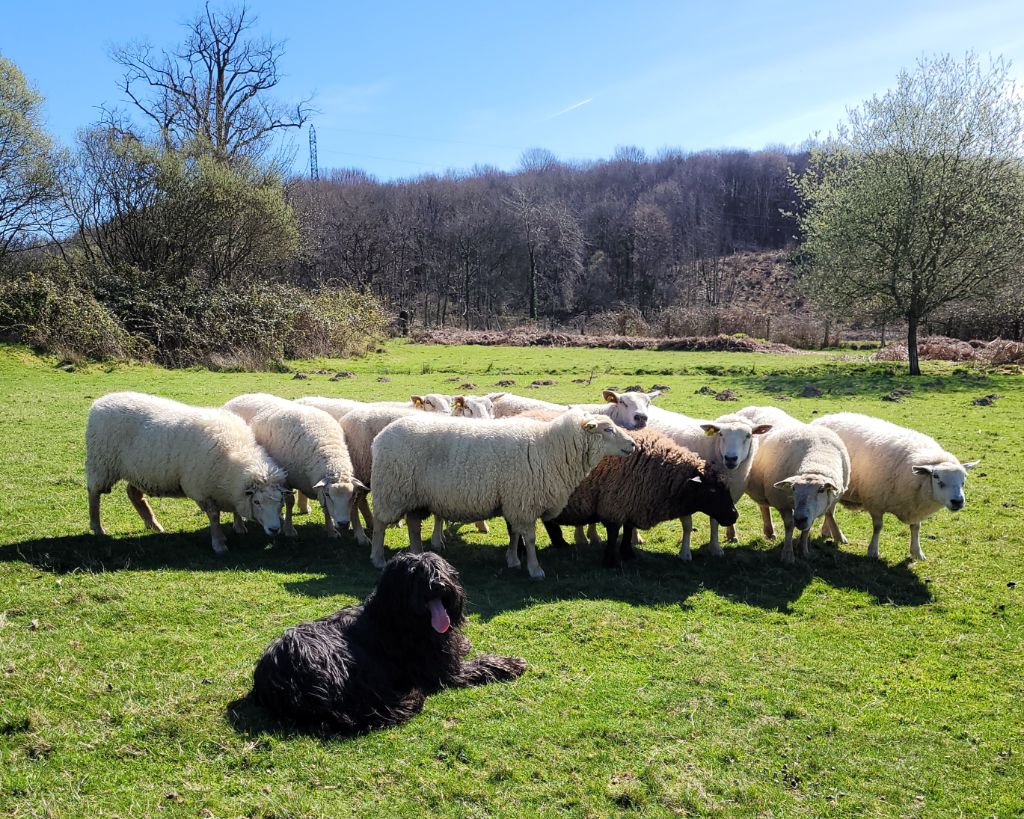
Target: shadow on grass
748 574
864 380
248 719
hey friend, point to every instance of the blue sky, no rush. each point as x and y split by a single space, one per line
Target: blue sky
408 88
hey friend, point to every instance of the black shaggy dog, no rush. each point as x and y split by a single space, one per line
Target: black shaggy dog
371 666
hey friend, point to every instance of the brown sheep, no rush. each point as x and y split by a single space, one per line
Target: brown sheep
660 481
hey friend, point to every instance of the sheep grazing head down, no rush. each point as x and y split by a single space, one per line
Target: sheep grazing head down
432 402
813 495
261 503
472 406
711 497
630 407
335 496
947 482
734 439
612 439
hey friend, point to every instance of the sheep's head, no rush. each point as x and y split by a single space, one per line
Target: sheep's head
630 410
947 482
432 402
335 496
709 495
261 503
813 495
472 406
610 439
734 439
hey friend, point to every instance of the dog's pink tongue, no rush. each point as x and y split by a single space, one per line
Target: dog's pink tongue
439 618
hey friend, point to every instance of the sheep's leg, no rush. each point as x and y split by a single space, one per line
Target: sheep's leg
512 555
94 512
684 547
593 535
730 534
238 524
833 525
637 538
143 508
357 526
611 546
805 542
377 550
626 551
915 542
414 523
332 530
302 504
289 502
555 535
532 564
437 536
482 527
766 521
579 537
787 544
876 532
364 507
220 543
714 547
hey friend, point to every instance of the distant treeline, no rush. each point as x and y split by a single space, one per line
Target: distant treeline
552 241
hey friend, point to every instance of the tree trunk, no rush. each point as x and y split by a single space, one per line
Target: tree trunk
915 365
533 285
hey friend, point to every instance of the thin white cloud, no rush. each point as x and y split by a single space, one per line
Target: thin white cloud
572 107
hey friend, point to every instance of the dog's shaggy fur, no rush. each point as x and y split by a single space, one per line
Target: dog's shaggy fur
371 665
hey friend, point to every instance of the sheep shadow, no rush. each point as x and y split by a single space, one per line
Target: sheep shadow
749 574
746 574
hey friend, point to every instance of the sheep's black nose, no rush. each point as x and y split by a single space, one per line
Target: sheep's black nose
956 504
640 419
731 461
273 530
801 522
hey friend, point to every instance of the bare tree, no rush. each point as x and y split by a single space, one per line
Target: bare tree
213 88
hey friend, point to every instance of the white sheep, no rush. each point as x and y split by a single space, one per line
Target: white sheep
247 405
471 470
507 404
472 406
310 446
164 448
730 441
898 471
337 408
768 415
801 470
627 409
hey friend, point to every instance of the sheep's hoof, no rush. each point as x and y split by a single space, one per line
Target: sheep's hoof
290 531
685 555
919 556
379 562
769 531
153 526
333 534
98 531
638 539
220 548
788 559
715 550
873 553
513 562
537 574
482 527
362 539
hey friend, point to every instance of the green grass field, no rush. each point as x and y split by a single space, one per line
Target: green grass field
735 687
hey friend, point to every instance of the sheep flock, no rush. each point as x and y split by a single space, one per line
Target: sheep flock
622 462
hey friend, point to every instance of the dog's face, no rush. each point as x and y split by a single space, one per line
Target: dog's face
423 589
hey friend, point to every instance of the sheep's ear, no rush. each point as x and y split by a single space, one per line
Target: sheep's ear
709 429
970 464
417 400
652 395
460 400
696 479
761 429
358 484
589 424
320 484
921 469
786 484
611 396
250 492
831 487
494 396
